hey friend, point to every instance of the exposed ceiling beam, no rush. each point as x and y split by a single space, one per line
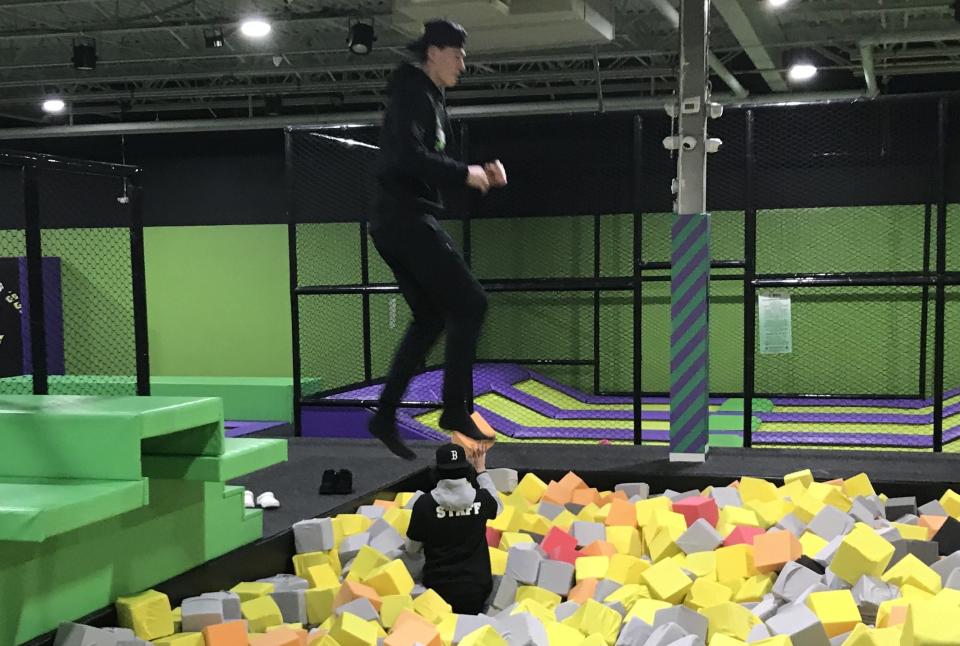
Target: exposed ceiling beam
752 30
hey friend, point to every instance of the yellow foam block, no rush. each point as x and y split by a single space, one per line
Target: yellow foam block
830 495
858 485
810 544
261 613
531 487
667 582
595 639
661 518
181 639
725 640
595 618
776 640
627 595
564 520
646 609
485 636
399 519
771 512
949 596
590 513
861 553
865 636
591 567
534 608
602 513
303 562
447 627
757 489
285 627
403 497
701 563
735 562
319 603
561 635
950 501
705 593
730 619
509 539
912 571
535 524
912 532
754 588
886 609
391 578
836 610
498 561
367 560
911 592
545 598
807 506
625 539
793 491
502 522
731 516
518 502
664 542
147 614
350 630
929 624
646 508
626 568
352 524
322 576
391 606
431 606
804 477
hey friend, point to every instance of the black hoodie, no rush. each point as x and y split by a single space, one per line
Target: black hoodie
413 164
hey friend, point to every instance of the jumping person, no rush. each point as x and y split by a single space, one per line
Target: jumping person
451 523
435 281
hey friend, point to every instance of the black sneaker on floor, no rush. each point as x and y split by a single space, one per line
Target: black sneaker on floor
328 484
386 432
344 481
464 425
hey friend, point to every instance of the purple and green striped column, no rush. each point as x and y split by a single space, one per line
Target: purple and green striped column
689 330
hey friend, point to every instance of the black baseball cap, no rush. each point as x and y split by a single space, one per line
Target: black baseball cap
439 33
452 461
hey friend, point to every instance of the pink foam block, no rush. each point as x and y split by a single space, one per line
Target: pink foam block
697 507
742 534
557 540
493 537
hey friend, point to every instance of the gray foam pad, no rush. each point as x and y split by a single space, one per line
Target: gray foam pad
549 510
292 604
523 629
199 612
792 524
359 607
692 622
506 593
605 588
523 562
313 535
505 480
944 567
565 609
830 522
933 508
350 546
897 507
927 551
371 511
283 582
635 632
793 580
70 634
800 624
231 604
633 489
699 537
556 576
665 635
726 496
587 532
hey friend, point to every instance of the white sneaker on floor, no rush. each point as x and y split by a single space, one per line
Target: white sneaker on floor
248 502
267 500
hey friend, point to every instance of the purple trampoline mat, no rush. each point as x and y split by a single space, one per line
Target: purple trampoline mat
862 403
241 428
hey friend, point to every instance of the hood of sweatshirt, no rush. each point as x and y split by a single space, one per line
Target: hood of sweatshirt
409 75
454 494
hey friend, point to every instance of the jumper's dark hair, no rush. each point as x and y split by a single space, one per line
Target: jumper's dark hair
439 33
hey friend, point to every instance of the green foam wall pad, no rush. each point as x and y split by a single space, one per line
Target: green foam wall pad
244 398
241 456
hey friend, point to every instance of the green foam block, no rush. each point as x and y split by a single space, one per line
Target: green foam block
240 457
34 510
244 398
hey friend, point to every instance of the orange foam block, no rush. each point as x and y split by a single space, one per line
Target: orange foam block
386 504
572 481
583 591
773 550
557 494
933 524
467 443
231 633
599 548
410 628
484 426
585 496
351 590
280 637
622 512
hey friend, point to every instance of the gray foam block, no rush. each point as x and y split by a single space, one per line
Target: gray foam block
691 621
619 607
677 496
689 640
565 609
523 562
360 607
699 537
802 597
953 581
897 507
933 508
466 624
839 640
908 519
586 532
665 635
635 632
792 524
200 612
605 588
869 592
371 511
313 535
874 504
826 554
889 534
834 582
412 547
292 604
758 633
632 489
506 610
414 564
413 499
283 582
418 589
927 551
556 576
379 525
231 604
726 497
134 642
766 607
800 624
387 541
945 566
549 510
573 507
506 593
793 580
505 480
860 511
70 634
350 546
523 629
122 634
830 522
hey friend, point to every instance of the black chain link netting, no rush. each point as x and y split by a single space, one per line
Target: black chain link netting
88 300
951 370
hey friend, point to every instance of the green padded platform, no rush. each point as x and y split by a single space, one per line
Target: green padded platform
34 510
244 398
242 456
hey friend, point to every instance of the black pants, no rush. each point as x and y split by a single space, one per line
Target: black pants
466 598
442 293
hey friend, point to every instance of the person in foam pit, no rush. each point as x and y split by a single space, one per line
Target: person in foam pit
413 167
450 521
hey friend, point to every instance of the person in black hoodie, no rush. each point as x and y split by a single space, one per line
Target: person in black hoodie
451 522
438 286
